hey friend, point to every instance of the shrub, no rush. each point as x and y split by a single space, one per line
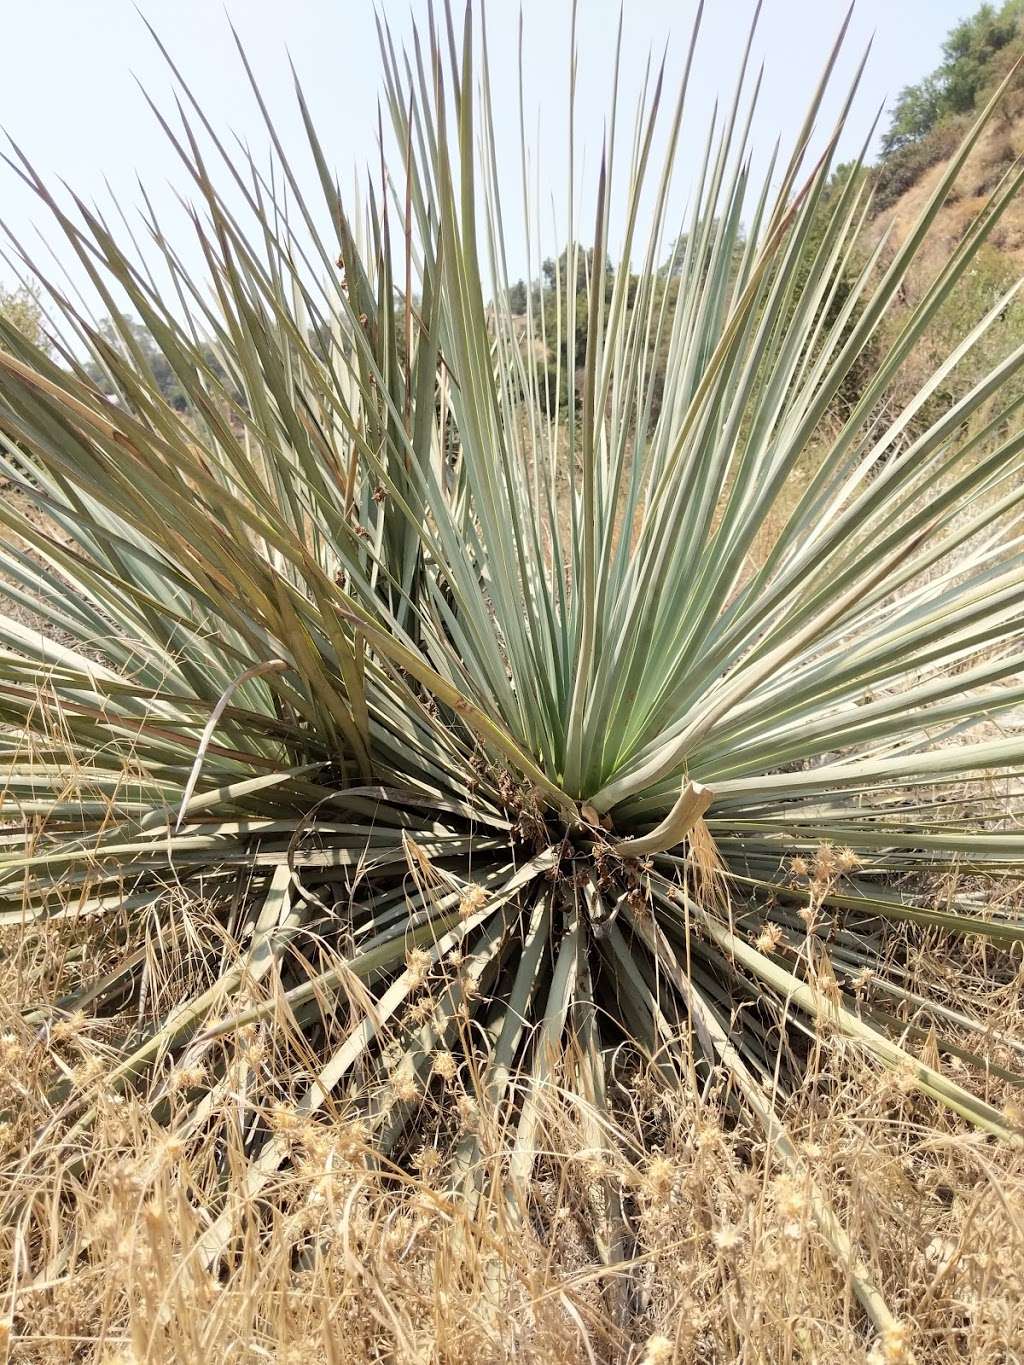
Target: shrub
902 168
332 650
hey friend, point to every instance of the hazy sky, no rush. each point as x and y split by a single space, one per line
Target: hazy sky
68 94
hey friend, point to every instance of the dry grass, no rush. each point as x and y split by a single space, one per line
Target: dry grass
994 153
346 1258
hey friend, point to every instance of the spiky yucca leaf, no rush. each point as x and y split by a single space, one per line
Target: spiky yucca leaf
386 644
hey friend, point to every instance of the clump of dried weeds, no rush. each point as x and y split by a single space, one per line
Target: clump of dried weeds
347 1257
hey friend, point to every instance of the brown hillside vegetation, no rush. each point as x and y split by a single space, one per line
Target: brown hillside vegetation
998 149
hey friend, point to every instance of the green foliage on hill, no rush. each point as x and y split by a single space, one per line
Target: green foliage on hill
927 118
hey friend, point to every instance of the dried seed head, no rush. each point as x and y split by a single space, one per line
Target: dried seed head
187 1076
469 1113
11 1049
173 1149
863 980
825 864
427 1161
728 1237
769 938
70 1028
255 1052
400 1232
474 898
658 1351
87 1071
444 1066
417 964
592 1161
403 1084
905 1078
659 1176
790 1200
708 1136
420 1010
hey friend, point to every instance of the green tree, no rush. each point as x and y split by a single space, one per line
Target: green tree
21 306
156 361
965 72
915 114
968 53
517 297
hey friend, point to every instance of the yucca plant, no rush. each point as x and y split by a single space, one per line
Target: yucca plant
654 703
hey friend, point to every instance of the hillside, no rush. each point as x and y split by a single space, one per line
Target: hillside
928 119
999 147
927 125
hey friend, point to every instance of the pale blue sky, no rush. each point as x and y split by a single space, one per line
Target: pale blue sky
68 93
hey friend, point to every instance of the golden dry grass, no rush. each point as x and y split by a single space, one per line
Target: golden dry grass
348 1259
